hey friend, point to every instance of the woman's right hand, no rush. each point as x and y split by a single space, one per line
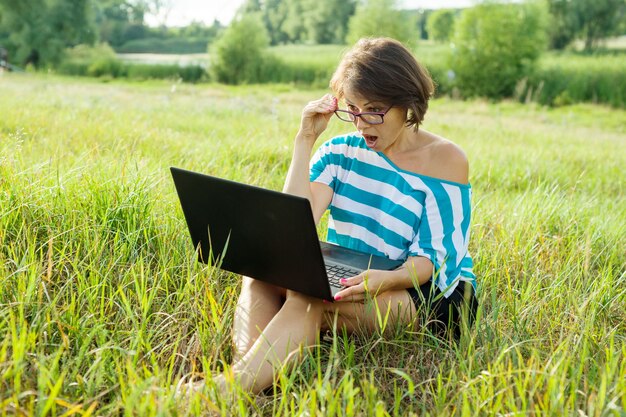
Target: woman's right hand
315 117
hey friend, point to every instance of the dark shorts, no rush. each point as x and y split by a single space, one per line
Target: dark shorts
443 315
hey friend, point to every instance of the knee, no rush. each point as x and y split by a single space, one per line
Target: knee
397 303
256 287
248 283
304 304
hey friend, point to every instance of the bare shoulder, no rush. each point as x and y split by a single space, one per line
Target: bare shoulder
448 161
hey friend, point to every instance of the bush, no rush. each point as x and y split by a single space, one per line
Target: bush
240 54
93 61
86 60
106 66
496 46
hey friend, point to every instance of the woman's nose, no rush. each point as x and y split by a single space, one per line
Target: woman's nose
360 122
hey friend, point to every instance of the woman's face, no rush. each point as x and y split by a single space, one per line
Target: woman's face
378 137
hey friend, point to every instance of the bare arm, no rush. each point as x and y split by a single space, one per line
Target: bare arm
415 272
315 117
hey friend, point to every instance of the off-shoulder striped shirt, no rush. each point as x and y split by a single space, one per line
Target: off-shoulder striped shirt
381 209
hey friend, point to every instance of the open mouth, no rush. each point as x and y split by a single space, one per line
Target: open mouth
370 140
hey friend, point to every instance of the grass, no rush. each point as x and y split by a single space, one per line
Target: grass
103 307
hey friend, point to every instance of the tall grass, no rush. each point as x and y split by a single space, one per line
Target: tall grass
103 306
308 65
573 78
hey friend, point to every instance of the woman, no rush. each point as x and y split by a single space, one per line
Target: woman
392 189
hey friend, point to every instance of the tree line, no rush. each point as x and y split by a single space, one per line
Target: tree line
38 32
331 21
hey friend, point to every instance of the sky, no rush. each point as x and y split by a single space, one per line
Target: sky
182 12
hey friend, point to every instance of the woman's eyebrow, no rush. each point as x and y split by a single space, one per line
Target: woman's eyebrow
369 103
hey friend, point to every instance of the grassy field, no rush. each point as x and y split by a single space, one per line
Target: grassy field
103 307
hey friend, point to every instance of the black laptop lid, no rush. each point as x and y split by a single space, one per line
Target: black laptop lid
264 234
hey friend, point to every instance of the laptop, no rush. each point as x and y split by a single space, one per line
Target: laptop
266 235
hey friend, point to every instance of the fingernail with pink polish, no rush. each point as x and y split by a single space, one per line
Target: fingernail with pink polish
343 280
337 297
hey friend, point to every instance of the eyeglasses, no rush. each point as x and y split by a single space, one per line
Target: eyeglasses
372 118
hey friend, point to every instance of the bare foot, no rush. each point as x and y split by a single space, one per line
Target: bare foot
187 387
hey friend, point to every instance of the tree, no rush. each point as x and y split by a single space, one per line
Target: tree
273 14
440 25
41 29
160 9
599 19
290 21
73 21
496 46
381 18
326 21
201 30
421 17
563 25
250 6
237 56
294 26
119 21
591 20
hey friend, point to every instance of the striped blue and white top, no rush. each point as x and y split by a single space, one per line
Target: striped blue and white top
381 209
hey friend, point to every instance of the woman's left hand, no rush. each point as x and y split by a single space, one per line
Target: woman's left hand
367 284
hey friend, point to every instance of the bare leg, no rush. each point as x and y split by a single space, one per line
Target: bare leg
388 308
298 323
258 303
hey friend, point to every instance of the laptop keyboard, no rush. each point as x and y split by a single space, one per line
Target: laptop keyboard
336 272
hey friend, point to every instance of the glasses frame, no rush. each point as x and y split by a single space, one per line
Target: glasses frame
360 115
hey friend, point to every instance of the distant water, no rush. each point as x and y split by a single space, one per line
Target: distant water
166 59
